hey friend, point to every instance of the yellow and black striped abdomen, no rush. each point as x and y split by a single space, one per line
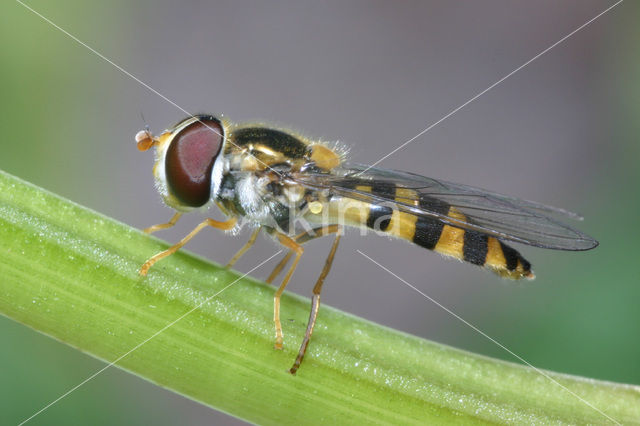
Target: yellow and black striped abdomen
468 245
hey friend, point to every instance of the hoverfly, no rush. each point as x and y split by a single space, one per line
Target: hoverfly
269 178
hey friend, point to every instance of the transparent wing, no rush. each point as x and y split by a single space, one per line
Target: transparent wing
501 216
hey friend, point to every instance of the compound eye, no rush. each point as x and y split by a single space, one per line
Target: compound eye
190 158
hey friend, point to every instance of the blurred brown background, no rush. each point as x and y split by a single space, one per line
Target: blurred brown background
372 74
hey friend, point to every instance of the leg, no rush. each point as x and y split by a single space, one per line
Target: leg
315 304
207 222
301 239
279 267
298 250
158 227
243 250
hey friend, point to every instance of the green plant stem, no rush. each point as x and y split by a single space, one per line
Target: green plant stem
72 274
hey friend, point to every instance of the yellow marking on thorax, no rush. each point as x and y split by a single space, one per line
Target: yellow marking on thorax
266 155
254 157
267 151
324 157
250 163
451 240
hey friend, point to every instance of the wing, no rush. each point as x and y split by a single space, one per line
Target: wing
501 216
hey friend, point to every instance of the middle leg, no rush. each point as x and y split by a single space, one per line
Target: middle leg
244 248
301 239
298 250
295 247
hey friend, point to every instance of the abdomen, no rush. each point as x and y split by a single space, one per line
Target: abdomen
467 245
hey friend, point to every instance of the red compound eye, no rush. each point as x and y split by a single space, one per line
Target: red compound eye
190 158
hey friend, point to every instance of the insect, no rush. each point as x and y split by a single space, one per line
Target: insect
296 189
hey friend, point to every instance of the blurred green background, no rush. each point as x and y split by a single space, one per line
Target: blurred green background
564 131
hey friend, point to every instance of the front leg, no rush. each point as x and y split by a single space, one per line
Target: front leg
225 226
160 226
